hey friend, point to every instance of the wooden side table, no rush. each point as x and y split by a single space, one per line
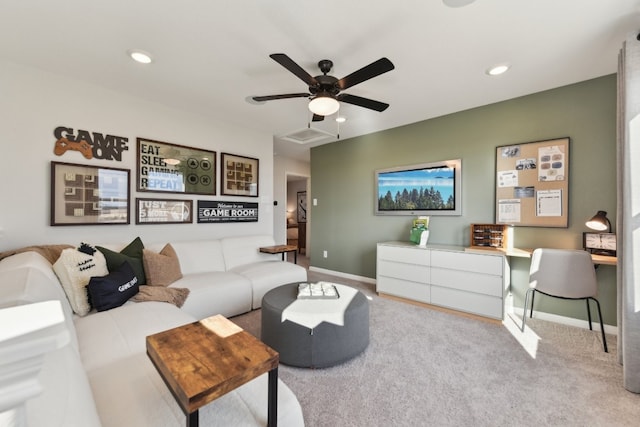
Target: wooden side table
281 249
204 360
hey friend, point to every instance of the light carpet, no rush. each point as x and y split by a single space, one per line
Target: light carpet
425 367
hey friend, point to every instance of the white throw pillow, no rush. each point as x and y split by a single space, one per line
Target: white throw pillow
75 269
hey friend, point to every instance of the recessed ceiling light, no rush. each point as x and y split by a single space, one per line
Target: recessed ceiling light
140 56
497 70
341 119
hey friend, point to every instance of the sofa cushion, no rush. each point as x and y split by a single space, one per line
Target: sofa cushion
161 269
246 250
267 275
75 269
215 292
132 253
114 289
199 256
25 285
66 399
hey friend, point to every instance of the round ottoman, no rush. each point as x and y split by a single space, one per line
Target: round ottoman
315 333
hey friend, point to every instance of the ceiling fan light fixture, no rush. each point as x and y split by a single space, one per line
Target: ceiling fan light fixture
324 105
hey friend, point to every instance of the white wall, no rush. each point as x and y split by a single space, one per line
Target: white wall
33 103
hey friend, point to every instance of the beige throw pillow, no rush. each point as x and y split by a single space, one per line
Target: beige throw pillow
161 269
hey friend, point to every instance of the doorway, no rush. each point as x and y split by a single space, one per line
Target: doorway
297 217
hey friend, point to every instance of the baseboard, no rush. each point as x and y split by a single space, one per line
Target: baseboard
345 275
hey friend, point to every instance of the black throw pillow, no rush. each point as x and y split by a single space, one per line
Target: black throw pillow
114 289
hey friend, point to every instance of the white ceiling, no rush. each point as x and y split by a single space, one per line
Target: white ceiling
211 56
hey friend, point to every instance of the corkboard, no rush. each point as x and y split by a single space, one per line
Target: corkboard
532 184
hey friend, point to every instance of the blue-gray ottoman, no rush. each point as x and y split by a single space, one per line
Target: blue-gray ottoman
315 333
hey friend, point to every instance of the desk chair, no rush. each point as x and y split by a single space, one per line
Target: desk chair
566 274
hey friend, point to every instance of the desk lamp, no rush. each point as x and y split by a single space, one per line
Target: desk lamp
599 222
603 242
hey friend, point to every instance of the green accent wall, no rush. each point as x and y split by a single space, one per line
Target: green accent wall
343 222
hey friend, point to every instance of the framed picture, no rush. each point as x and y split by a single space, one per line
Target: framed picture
88 195
164 211
171 168
301 206
532 184
239 175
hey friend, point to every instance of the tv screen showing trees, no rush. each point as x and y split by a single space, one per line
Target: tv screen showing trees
422 189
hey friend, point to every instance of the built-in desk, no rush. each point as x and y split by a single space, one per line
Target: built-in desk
526 253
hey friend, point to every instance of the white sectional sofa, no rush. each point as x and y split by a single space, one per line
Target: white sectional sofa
104 377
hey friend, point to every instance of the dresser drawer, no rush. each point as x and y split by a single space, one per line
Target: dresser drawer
478 263
466 281
483 305
411 272
402 288
407 255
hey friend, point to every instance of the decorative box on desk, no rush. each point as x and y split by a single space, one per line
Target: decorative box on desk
490 236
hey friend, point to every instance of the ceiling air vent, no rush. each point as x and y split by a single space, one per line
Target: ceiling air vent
307 136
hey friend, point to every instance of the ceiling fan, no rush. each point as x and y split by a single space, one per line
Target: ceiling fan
324 90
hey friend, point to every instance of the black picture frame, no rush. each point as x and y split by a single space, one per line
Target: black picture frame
171 168
301 206
163 211
239 175
89 195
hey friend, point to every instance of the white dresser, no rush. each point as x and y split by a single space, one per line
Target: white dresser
475 282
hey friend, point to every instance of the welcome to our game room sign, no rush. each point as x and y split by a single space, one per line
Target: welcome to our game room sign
214 211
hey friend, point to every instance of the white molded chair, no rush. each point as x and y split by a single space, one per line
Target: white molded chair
566 274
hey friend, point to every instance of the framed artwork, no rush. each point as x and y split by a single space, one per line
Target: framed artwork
171 168
532 184
164 211
301 206
239 175
89 195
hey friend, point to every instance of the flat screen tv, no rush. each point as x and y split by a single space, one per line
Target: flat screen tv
422 189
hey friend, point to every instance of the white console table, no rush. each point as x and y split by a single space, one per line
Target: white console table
444 276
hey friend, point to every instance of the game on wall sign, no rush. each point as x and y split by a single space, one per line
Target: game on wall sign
210 211
89 144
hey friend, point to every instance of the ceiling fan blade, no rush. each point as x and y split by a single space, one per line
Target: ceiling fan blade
362 102
372 70
317 118
290 65
283 96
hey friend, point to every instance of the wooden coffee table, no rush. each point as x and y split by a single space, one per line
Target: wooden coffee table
204 360
282 249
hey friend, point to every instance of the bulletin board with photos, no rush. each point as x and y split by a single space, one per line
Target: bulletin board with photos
532 183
